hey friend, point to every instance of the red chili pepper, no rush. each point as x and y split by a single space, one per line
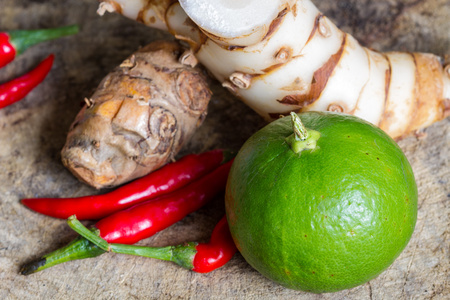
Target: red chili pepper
15 42
7 50
147 218
167 179
140 221
198 257
217 252
18 88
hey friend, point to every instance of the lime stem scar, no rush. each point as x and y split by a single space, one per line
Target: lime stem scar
302 138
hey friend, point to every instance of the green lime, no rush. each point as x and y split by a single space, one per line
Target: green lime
324 214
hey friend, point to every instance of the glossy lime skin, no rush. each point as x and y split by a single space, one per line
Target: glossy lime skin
327 219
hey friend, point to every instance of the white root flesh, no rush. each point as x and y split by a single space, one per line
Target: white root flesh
290 57
150 13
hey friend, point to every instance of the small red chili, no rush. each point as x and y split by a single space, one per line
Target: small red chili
217 252
198 257
7 50
141 220
16 89
13 43
167 179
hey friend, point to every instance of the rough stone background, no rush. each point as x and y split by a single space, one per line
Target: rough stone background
33 131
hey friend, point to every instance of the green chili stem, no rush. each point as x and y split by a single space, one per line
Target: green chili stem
94 237
182 254
23 39
79 248
163 253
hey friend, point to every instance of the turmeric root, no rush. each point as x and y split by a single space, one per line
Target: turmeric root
138 118
282 56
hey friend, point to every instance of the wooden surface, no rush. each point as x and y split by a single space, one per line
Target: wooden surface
33 133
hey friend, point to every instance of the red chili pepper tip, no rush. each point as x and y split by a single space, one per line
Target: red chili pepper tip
217 252
7 51
16 89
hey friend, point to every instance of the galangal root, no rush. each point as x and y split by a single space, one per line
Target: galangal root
138 118
282 56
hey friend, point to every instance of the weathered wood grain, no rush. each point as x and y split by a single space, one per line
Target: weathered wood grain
32 133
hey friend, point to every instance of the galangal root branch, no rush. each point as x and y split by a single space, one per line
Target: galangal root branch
282 56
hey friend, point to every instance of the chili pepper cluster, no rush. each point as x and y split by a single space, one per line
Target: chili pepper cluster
142 208
134 211
12 44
